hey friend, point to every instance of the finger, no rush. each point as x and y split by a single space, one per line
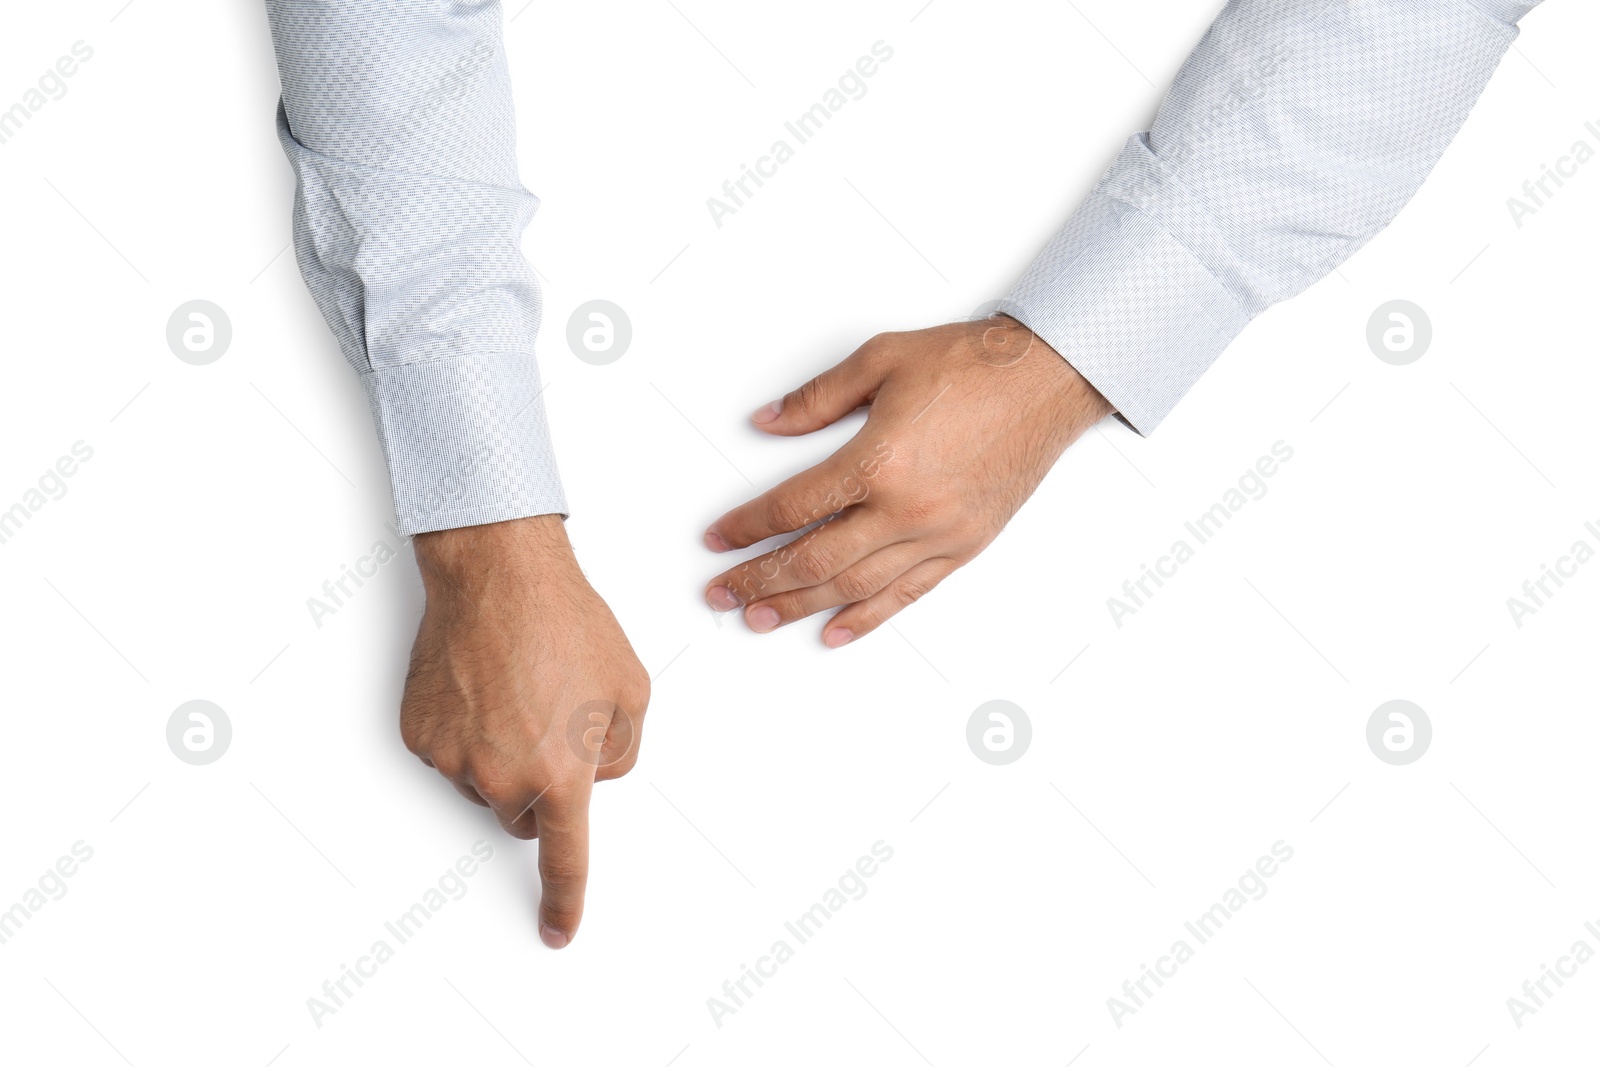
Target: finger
515 809
862 618
469 792
808 497
458 778
605 735
563 862
621 750
825 399
811 559
857 583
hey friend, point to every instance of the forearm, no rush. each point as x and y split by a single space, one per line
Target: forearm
397 118
1293 134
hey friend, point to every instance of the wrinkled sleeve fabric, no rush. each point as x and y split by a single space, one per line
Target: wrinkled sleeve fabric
397 119
1294 133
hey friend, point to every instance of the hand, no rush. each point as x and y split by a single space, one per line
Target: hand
963 422
523 691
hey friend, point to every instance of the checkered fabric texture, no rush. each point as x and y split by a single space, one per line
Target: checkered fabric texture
1293 134
396 116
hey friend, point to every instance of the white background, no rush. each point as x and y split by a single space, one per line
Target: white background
1228 714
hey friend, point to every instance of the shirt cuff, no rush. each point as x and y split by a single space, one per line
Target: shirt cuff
1508 11
1129 306
466 440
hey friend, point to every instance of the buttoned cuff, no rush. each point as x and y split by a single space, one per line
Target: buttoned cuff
466 440
1128 306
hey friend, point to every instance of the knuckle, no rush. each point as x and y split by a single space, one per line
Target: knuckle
621 767
855 585
816 564
415 743
561 873
520 827
494 793
877 351
810 395
909 590
785 513
636 694
495 784
412 734
449 765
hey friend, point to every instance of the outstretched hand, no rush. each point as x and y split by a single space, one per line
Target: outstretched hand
963 422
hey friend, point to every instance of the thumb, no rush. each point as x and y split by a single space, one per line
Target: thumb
825 399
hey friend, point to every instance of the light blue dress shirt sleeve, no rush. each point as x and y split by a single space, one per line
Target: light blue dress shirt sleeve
396 116
1295 132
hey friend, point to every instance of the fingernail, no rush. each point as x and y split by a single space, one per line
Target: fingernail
715 542
721 598
762 619
768 413
837 637
552 937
